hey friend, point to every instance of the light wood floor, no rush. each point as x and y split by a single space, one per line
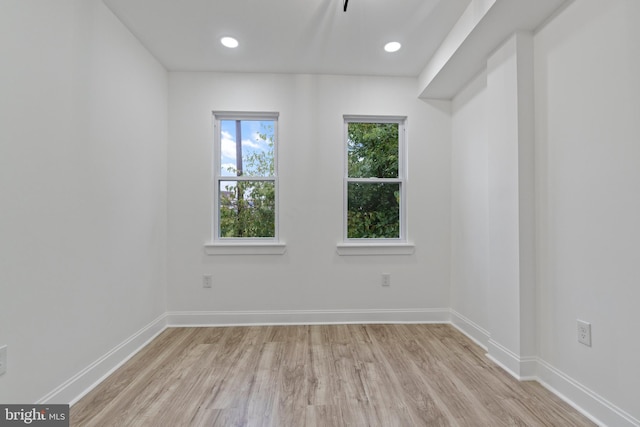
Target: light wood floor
338 375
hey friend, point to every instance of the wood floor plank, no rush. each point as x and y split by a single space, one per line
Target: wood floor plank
262 401
320 372
121 394
318 375
425 406
293 386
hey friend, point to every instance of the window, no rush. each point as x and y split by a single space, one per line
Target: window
245 177
374 183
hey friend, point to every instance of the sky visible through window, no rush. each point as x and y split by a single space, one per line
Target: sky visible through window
246 206
252 143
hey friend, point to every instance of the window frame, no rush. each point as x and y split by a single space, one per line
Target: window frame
401 179
242 245
361 246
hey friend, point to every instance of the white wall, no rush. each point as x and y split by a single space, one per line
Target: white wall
587 64
310 276
469 210
511 294
83 197
83 132
492 286
587 182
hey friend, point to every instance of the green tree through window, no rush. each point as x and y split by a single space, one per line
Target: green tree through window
246 179
374 181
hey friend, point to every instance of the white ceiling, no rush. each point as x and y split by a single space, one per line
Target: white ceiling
444 42
291 36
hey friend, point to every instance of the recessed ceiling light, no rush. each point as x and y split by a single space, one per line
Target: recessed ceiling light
229 42
392 47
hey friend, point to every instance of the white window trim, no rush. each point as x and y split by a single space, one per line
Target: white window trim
363 248
380 246
242 246
245 248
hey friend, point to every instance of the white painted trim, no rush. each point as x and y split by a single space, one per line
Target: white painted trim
472 330
528 368
401 179
217 178
378 248
86 380
246 115
365 118
522 368
249 247
586 401
305 317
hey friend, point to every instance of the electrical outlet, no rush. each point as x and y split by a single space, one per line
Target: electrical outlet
386 279
3 359
584 332
207 281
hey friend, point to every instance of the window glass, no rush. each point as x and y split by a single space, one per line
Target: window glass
246 180
374 182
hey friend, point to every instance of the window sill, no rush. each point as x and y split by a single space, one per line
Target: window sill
245 248
364 248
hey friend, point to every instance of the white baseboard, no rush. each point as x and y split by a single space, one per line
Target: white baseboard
471 329
590 404
584 400
522 368
86 380
306 317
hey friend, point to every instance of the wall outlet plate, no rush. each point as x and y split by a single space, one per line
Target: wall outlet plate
584 332
207 281
386 279
3 359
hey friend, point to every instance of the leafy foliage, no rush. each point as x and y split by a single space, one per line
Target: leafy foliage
373 208
373 150
247 208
